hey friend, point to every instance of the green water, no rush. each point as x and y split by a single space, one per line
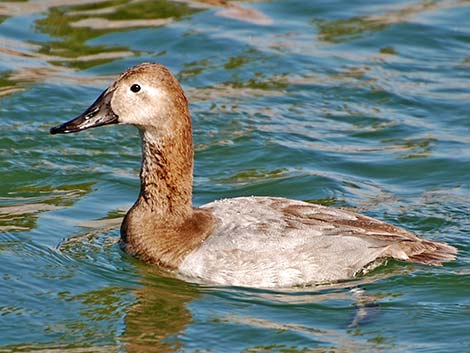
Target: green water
349 104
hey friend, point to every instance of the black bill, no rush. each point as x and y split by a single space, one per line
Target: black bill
98 114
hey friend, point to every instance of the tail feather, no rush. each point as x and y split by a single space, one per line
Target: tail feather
431 253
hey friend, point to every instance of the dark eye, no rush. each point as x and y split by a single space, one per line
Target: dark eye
135 88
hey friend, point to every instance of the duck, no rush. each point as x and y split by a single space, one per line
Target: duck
255 241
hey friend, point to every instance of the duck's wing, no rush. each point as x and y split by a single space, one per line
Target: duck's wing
274 242
402 245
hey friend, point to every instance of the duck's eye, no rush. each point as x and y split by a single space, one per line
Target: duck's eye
135 88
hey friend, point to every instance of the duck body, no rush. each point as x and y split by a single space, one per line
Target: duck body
276 242
247 241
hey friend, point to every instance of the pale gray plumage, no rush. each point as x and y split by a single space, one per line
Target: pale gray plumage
277 242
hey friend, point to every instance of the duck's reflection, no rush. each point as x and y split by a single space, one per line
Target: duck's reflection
159 315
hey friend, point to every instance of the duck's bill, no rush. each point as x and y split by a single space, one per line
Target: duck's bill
98 114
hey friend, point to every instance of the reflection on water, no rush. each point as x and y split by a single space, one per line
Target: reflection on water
20 212
70 26
159 317
75 26
158 320
353 27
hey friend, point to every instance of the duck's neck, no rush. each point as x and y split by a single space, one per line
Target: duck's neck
162 227
167 174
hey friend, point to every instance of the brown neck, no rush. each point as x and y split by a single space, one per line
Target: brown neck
167 174
162 227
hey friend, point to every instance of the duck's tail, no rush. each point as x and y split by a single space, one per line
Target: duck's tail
430 253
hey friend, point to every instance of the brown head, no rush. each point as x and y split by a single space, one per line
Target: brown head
147 96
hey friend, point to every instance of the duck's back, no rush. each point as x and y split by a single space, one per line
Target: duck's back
277 242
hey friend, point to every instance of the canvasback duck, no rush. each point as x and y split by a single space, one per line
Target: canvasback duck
266 242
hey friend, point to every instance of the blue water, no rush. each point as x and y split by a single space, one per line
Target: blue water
349 104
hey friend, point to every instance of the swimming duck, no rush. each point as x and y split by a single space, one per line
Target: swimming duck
266 242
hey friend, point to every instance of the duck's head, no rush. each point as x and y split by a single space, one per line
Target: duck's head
147 96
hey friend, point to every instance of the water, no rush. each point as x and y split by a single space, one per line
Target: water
349 104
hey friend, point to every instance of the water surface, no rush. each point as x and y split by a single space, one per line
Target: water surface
348 104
